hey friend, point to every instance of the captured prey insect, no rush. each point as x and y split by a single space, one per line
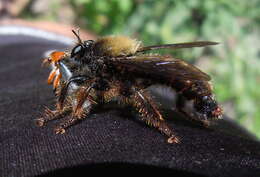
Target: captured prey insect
116 68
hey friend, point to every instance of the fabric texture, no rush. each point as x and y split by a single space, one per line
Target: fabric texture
110 139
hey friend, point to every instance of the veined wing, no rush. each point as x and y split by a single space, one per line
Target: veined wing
161 67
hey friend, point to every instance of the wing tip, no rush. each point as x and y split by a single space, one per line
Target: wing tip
212 43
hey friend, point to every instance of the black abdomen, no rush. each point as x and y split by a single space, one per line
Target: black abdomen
192 89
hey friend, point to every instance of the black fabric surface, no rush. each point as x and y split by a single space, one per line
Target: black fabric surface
108 140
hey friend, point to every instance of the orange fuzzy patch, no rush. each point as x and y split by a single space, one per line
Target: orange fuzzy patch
56 81
56 56
52 75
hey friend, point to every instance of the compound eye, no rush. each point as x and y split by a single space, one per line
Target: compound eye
88 43
77 51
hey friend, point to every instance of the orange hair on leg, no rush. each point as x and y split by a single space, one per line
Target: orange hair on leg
56 81
52 75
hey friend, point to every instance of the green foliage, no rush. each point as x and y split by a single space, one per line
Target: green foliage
104 16
234 64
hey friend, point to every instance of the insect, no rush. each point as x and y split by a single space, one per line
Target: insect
118 68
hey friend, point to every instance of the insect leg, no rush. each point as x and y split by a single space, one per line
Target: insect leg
56 81
150 114
60 129
64 89
83 95
52 75
52 115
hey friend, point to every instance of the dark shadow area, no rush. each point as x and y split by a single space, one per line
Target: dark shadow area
117 168
225 125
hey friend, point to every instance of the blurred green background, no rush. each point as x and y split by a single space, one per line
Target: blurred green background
234 64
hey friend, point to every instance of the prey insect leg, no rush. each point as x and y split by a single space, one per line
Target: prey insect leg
56 81
52 75
149 113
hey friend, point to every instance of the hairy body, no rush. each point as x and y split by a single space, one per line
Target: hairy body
115 68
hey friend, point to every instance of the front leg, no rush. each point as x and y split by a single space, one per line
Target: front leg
52 115
82 108
72 119
77 106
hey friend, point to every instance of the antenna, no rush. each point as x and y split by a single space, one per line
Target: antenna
77 35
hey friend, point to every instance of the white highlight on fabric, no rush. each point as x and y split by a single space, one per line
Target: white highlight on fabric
22 30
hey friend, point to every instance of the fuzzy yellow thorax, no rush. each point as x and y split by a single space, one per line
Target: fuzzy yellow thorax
117 46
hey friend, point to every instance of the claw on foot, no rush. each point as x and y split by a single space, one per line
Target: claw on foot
206 123
173 139
39 122
59 130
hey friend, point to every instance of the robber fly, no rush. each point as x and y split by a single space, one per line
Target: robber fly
118 68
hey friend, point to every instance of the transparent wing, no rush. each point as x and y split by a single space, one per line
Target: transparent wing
178 45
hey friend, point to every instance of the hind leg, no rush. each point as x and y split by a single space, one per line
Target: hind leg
149 113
